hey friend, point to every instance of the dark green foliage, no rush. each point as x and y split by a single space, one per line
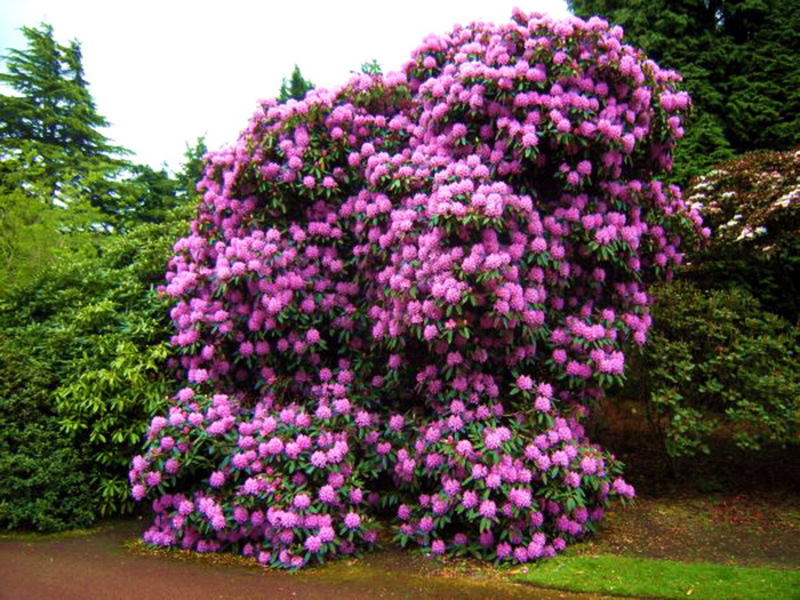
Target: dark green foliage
703 147
44 477
84 241
296 87
192 170
146 196
741 63
35 229
45 482
83 343
717 363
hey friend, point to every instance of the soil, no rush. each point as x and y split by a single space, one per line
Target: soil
731 506
746 530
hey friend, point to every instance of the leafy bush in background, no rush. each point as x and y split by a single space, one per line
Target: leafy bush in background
46 483
82 242
83 348
405 295
724 356
43 473
717 365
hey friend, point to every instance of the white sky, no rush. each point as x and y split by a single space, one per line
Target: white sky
166 72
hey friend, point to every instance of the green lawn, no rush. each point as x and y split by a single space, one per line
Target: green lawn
643 577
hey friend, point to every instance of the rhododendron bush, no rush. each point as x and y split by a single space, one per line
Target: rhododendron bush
403 297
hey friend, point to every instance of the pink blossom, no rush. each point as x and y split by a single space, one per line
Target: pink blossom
487 509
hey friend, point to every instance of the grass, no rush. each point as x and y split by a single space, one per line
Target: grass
651 578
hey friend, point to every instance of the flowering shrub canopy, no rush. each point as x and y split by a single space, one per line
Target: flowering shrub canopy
404 296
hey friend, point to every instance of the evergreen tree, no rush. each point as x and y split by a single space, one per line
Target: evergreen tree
296 88
54 106
192 169
52 111
740 60
53 149
50 138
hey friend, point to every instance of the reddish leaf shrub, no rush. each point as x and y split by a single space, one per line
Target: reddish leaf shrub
752 206
406 294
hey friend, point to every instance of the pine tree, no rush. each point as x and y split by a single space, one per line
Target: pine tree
62 183
192 169
53 105
50 127
52 145
296 88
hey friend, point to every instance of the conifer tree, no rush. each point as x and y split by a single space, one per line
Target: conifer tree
296 87
52 145
192 170
54 106
50 130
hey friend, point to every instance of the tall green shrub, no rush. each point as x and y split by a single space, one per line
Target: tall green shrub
43 473
87 338
717 364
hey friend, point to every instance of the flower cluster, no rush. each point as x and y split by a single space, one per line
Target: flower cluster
405 295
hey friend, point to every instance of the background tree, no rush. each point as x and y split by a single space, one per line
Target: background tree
53 105
741 63
192 169
51 117
52 144
296 88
